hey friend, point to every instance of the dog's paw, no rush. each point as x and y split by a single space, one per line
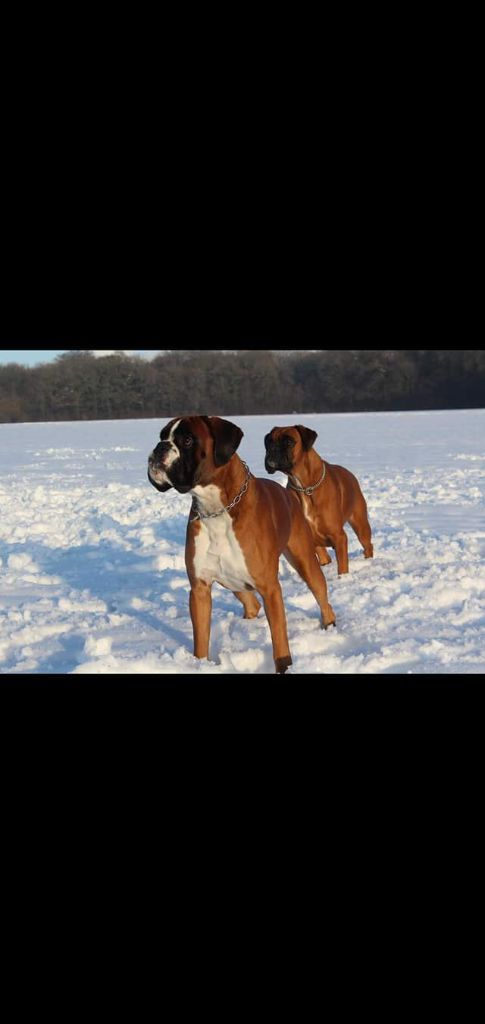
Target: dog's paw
281 664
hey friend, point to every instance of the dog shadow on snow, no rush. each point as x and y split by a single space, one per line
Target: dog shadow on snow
100 573
155 601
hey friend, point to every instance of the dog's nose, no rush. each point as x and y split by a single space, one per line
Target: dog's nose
157 455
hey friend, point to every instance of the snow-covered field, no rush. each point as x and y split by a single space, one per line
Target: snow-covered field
92 574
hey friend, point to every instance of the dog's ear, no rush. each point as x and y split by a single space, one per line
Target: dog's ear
308 437
159 487
227 438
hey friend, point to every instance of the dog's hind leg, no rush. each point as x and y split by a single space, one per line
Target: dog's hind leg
361 527
249 601
323 555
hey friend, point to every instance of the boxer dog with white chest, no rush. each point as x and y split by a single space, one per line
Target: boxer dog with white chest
238 527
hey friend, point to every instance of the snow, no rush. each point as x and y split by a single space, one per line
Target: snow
92 573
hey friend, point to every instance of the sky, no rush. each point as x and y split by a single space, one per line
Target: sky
32 357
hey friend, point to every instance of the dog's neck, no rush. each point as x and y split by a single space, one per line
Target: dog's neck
225 483
308 470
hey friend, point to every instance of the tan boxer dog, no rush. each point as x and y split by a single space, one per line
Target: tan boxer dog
330 495
238 527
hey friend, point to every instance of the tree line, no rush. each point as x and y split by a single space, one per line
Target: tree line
80 386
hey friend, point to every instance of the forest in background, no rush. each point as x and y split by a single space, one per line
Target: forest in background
80 386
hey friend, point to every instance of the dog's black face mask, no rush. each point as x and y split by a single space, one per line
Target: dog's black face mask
285 445
279 453
173 462
189 449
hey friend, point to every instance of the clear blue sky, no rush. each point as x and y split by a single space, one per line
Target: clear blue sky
32 357
28 358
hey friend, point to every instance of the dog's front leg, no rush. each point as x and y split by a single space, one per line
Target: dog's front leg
341 550
276 615
200 604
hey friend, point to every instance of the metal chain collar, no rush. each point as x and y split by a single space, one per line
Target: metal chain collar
307 490
211 515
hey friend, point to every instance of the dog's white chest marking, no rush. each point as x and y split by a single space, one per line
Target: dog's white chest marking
310 514
218 554
308 509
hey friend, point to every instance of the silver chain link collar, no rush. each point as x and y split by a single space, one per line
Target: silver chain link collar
307 490
235 501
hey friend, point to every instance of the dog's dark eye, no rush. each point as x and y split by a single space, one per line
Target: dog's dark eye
187 441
